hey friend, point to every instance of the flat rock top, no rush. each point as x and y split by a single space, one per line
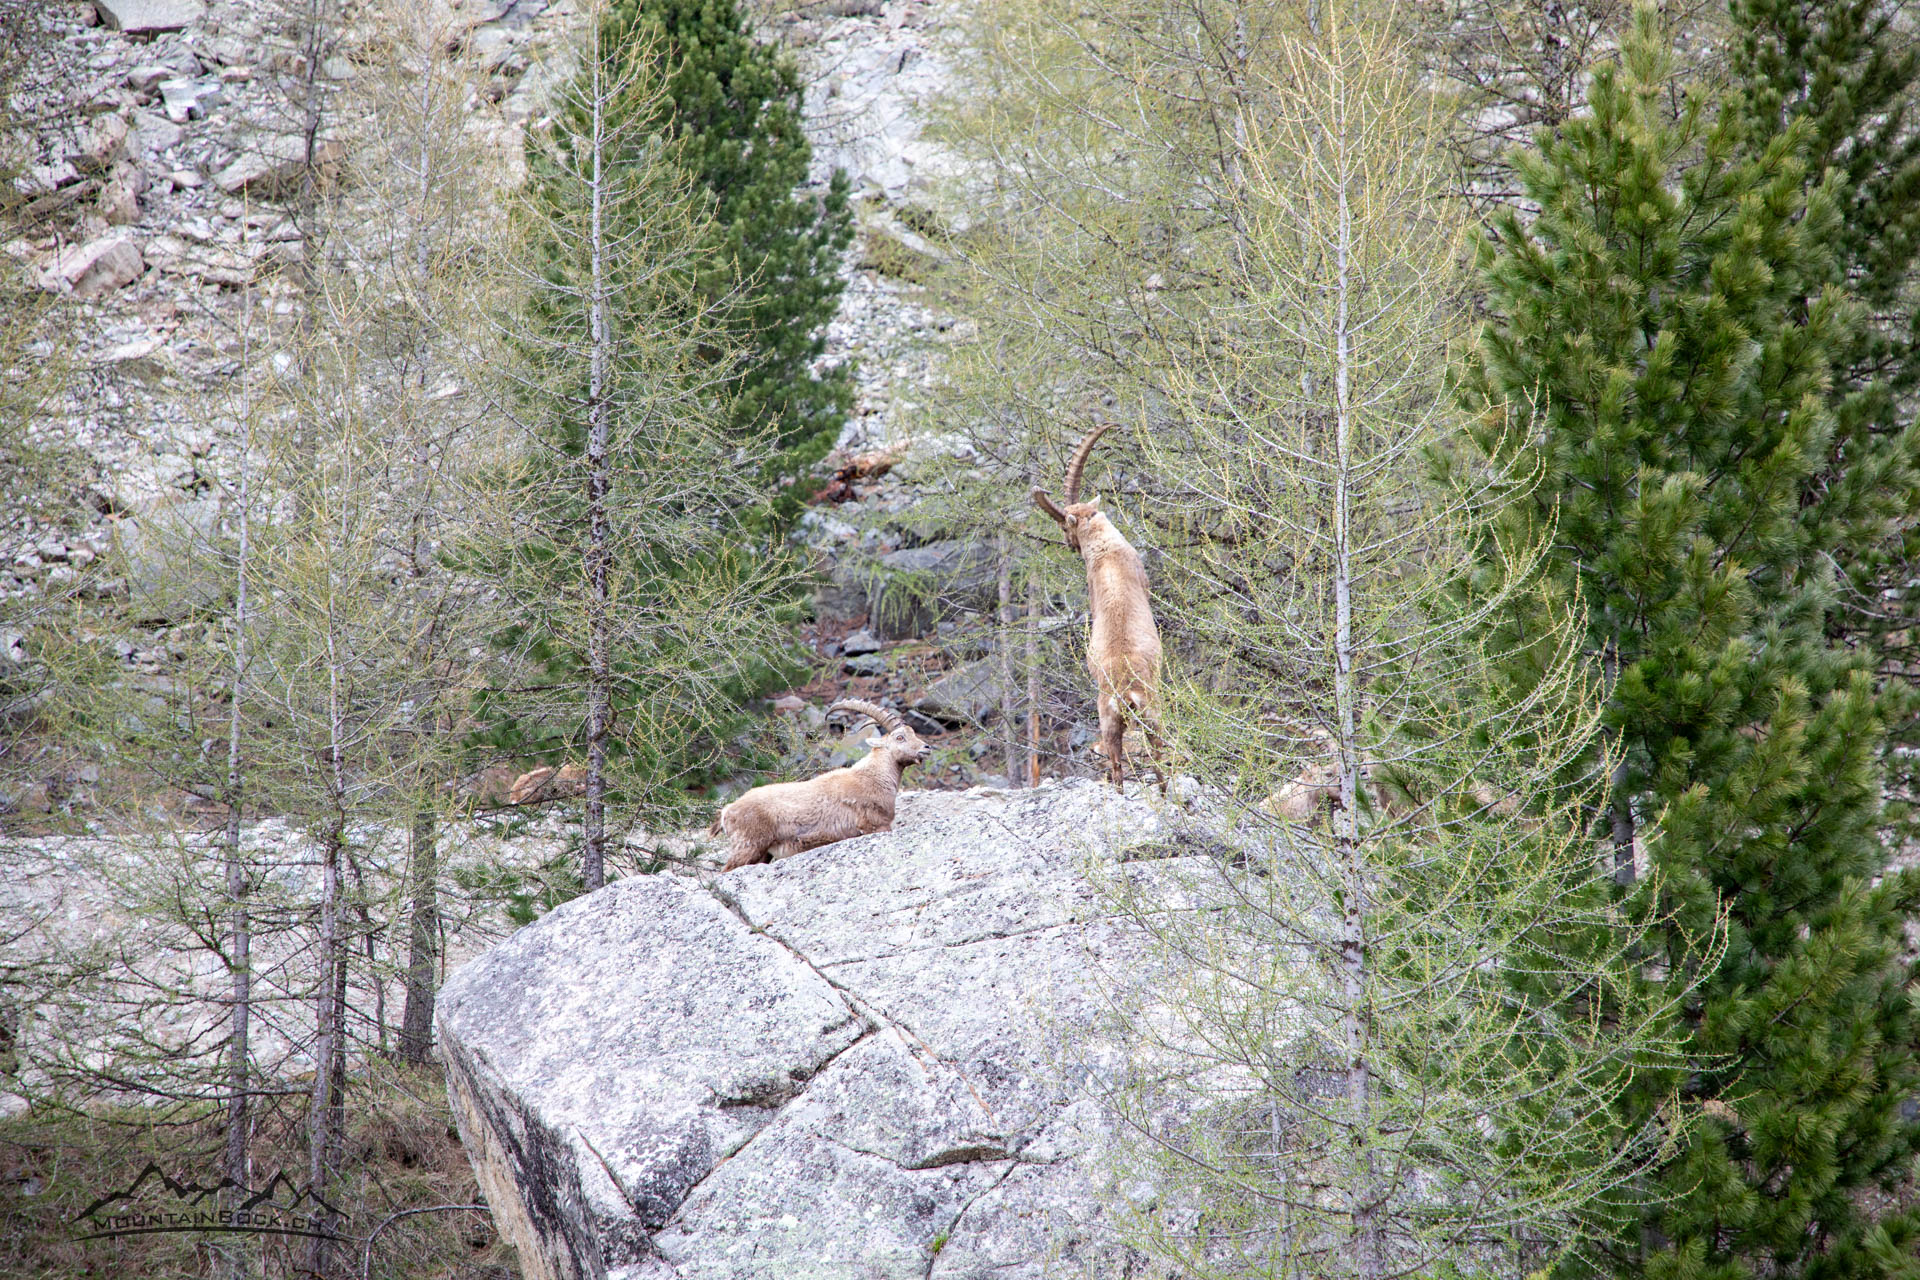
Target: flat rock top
854 1062
136 16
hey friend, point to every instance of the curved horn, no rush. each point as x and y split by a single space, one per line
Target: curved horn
1041 500
1079 462
886 718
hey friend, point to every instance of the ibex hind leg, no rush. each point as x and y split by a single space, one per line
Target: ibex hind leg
1113 743
1157 752
1141 710
746 856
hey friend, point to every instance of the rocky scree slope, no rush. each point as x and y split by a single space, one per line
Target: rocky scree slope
150 172
867 1060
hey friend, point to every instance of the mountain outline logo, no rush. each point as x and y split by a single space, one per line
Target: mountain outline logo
303 1212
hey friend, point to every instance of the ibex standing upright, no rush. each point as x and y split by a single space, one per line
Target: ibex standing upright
1123 650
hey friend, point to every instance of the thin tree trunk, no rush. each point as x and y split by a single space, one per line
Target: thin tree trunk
1033 683
599 661
423 937
239 1120
1363 1194
337 1072
1620 820
315 44
325 1120
1009 743
310 24
1620 804
368 939
322 1112
369 935
423 854
1236 161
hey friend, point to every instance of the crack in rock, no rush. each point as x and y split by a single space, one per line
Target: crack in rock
775 1095
788 1101
982 1153
871 1011
946 1237
969 942
607 1168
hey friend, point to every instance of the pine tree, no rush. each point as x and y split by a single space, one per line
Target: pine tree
1845 69
732 106
644 608
1845 75
1661 337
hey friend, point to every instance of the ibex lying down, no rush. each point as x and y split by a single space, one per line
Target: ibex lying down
785 818
1123 651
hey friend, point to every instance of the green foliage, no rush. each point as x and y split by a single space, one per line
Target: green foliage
732 110
525 893
1844 73
1661 339
687 599
1359 1058
1842 76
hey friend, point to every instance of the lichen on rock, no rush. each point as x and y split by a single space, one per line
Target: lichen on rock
849 1063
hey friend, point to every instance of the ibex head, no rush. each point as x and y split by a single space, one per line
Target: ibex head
895 737
1076 515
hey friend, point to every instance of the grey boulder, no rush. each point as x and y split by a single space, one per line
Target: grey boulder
170 554
905 593
969 693
856 1062
136 17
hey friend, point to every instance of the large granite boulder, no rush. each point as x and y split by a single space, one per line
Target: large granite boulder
905 593
855 1062
168 554
148 17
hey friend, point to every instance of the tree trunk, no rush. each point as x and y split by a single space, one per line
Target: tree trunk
239 1119
326 1113
1009 743
1620 803
1363 1189
369 935
311 26
1236 158
599 661
1033 683
423 938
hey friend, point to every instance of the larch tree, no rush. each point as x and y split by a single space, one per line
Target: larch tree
1068 277
1514 67
1400 1013
419 279
42 670
145 1019
322 674
1667 328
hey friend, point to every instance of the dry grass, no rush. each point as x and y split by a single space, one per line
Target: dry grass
401 1153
